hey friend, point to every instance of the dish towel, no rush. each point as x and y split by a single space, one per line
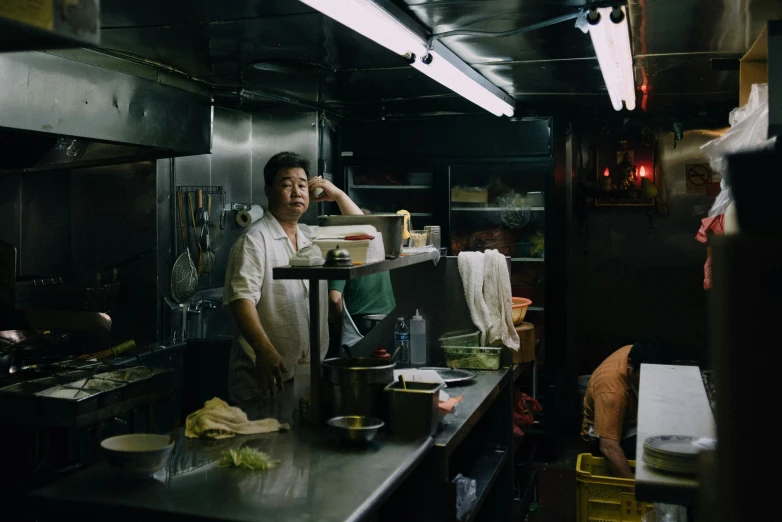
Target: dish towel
218 420
497 294
471 271
487 291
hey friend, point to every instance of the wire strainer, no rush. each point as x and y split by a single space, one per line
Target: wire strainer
184 277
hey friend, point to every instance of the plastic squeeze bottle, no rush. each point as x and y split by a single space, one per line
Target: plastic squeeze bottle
417 339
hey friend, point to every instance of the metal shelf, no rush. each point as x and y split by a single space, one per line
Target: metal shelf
421 214
391 187
493 209
347 273
528 259
536 309
485 472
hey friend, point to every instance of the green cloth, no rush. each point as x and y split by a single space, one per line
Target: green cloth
371 294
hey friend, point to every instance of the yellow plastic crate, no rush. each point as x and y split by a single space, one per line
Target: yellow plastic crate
603 498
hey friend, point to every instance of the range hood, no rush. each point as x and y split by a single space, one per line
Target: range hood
58 113
34 152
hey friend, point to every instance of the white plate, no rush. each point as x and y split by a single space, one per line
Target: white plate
678 445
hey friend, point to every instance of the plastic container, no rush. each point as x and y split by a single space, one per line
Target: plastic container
419 238
461 338
417 339
519 309
481 358
402 341
599 496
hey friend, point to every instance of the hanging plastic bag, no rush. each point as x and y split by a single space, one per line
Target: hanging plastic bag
748 131
466 495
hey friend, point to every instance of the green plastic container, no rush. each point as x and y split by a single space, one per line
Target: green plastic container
461 338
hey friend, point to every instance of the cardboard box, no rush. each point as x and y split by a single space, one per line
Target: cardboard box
763 64
753 67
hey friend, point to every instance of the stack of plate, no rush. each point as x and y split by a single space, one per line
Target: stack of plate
676 453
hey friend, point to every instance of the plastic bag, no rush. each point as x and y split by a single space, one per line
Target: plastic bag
466 496
749 131
519 210
668 513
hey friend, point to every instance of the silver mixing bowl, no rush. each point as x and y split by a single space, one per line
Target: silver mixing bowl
355 429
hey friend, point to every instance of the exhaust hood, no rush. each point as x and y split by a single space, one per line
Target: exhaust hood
34 152
59 113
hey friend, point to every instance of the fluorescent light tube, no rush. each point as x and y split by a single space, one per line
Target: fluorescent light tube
375 22
612 47
443 71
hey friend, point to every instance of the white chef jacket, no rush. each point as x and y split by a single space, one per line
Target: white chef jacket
283 305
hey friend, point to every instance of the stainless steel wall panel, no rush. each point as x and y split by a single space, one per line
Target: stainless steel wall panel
46 224
10 211
114 220
274 132
97 103
231 168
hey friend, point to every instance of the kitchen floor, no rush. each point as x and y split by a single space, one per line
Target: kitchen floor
556 495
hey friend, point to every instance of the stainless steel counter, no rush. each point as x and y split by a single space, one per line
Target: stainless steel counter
317 480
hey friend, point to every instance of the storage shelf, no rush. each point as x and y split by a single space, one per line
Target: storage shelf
528 259
347 273
421 214
485 471
493 209
536 309
391 187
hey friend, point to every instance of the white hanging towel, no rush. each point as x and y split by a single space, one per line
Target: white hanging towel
471 270
487 291
497 294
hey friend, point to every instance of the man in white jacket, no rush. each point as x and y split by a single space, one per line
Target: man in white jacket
272 316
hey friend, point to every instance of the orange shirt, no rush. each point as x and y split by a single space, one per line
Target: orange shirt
610 404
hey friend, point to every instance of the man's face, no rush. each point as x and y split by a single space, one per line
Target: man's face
289 196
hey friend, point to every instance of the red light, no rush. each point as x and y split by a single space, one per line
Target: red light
606 173
642 172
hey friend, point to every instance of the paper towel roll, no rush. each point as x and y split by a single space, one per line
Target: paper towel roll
244 218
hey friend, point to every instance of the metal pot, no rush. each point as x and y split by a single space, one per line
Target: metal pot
354 386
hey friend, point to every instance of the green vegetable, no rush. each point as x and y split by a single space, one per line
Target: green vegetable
475 361
247 458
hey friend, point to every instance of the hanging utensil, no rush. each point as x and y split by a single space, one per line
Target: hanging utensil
201 214
184 275
214 228
195 231
207 256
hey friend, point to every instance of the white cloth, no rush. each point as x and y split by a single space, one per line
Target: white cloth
350 333
486 283
283 305
471 270
217 420
499 300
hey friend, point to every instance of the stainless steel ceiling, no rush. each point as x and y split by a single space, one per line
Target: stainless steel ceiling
321 63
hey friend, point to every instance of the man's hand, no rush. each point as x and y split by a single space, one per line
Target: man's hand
332 193
270 369
615 458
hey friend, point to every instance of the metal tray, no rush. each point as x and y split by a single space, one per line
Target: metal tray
453 376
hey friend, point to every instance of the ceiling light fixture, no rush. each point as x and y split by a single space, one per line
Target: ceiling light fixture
384 23
610 35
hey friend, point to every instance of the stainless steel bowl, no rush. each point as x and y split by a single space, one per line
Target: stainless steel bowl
355 429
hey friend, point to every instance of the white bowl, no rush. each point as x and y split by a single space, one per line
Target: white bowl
138 455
